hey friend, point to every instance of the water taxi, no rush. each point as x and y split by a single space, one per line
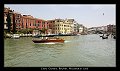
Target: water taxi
48 40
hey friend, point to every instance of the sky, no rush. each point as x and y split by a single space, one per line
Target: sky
90 15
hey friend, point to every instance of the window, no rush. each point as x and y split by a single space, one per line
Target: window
43 22
30 24
15 21
18 16
6 14
34 24
26 25
19 21
6 25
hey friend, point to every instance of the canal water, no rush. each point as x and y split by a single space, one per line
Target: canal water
77 51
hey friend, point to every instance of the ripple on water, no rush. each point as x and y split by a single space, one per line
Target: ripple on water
83 50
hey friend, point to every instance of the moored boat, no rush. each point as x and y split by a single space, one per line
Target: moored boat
104 37
16 36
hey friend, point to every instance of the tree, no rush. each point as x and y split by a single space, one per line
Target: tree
9 22
14 24
29 30
4 34
23 31
43 30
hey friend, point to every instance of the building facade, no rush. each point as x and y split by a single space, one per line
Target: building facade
29 22
6 11
19 22
56 26
62 26
111 28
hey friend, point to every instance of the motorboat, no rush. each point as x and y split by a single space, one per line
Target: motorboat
15 36
114 37
104 37
49 40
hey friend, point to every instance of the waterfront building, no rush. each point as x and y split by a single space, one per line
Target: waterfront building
6 11
80 28
17 21
102 29
85 30
111 29
74 27
92 30
56 26
59 26
63 26
51 26
67 26
29 21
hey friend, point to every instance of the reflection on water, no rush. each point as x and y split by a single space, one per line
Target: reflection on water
77 51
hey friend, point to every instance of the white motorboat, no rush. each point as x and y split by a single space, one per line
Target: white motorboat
15 36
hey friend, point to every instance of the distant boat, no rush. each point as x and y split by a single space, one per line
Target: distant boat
101 36
114 37
104 37
15 36
48 40
78 34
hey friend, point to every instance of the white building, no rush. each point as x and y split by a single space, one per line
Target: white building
80 29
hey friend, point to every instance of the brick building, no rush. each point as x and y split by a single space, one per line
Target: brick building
19 22
6 11
28 21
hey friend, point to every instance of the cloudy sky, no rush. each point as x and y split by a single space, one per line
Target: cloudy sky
90 15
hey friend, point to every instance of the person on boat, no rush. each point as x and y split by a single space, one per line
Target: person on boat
107 35
103 34
46 37
57 38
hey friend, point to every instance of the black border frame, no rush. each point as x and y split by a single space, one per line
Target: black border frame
48 68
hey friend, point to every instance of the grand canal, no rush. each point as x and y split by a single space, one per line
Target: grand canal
77 51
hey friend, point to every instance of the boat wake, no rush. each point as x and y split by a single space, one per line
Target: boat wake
66 41
48 43
53 42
